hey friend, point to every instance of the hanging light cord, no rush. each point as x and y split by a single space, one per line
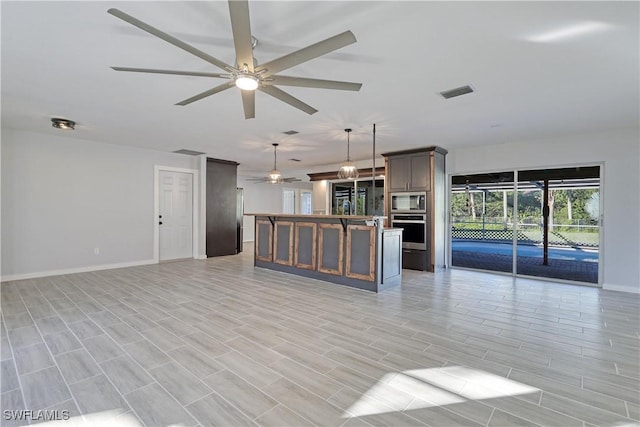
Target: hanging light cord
275 156
348 131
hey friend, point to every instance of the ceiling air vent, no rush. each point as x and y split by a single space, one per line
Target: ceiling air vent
188 152
291 132
295 160
456 92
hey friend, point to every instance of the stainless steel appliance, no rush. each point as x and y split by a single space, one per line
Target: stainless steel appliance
414 235
408 202
239 219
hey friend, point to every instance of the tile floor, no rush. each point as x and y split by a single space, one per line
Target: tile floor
217 342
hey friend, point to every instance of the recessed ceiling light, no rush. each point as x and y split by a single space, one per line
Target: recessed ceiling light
63 124
569 31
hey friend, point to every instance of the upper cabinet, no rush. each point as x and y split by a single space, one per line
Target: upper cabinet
409 172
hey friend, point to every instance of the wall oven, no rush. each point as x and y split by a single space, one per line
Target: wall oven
414 235
408 202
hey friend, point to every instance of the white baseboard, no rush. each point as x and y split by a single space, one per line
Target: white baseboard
620 288
76 270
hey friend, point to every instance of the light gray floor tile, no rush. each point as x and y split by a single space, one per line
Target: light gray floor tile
281 416
102 348
62 342
502 419
213 410
146 354
32 358
162 338
180 383
43 310
51 325
12 401
5 349
71 315
44 388
240 393
305 403
139 322
578 345
85 329
24 337
248 369
97 394
123 333
8 376
313 381
195 361
155 407
77 365
126 374
15 321
206 344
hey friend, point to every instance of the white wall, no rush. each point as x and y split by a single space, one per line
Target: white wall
619 151
264 198
62 197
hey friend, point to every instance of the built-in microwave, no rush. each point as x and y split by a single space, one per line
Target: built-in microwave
408 202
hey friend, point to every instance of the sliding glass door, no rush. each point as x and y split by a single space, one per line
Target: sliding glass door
548 222
482 222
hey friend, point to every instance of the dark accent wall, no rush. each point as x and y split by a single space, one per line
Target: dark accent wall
222 180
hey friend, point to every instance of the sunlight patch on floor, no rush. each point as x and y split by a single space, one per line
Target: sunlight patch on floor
423 388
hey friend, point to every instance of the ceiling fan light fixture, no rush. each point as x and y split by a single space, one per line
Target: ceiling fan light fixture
348 170
247 81
63 124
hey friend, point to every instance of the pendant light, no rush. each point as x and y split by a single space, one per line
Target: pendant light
275 177
348 170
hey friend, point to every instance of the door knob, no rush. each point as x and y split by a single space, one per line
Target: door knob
160 223
160 216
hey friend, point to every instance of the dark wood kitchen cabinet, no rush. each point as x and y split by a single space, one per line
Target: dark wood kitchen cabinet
221 200
420 170
409 172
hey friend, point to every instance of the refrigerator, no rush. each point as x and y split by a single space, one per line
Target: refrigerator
239 218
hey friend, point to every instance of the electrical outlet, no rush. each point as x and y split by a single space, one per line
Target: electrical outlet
96 251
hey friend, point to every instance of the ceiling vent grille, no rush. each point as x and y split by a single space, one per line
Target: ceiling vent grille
188 152
456 92
291 132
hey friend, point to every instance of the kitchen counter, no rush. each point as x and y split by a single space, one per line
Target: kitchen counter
349 250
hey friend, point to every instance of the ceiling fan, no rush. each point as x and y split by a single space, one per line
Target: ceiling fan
246 73
274 177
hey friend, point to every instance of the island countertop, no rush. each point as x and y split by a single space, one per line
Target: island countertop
319 216
350 250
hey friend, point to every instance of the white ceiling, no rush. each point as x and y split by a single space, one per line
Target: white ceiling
56 58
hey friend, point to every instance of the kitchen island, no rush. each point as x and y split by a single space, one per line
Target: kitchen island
348 250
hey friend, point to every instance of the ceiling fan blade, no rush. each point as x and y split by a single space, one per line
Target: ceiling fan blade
308 53
169 39
241 28
206 93
314 83
179 73
291 179
249 103
285 97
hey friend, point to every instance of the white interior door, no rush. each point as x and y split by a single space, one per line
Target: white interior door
288 201
175 215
